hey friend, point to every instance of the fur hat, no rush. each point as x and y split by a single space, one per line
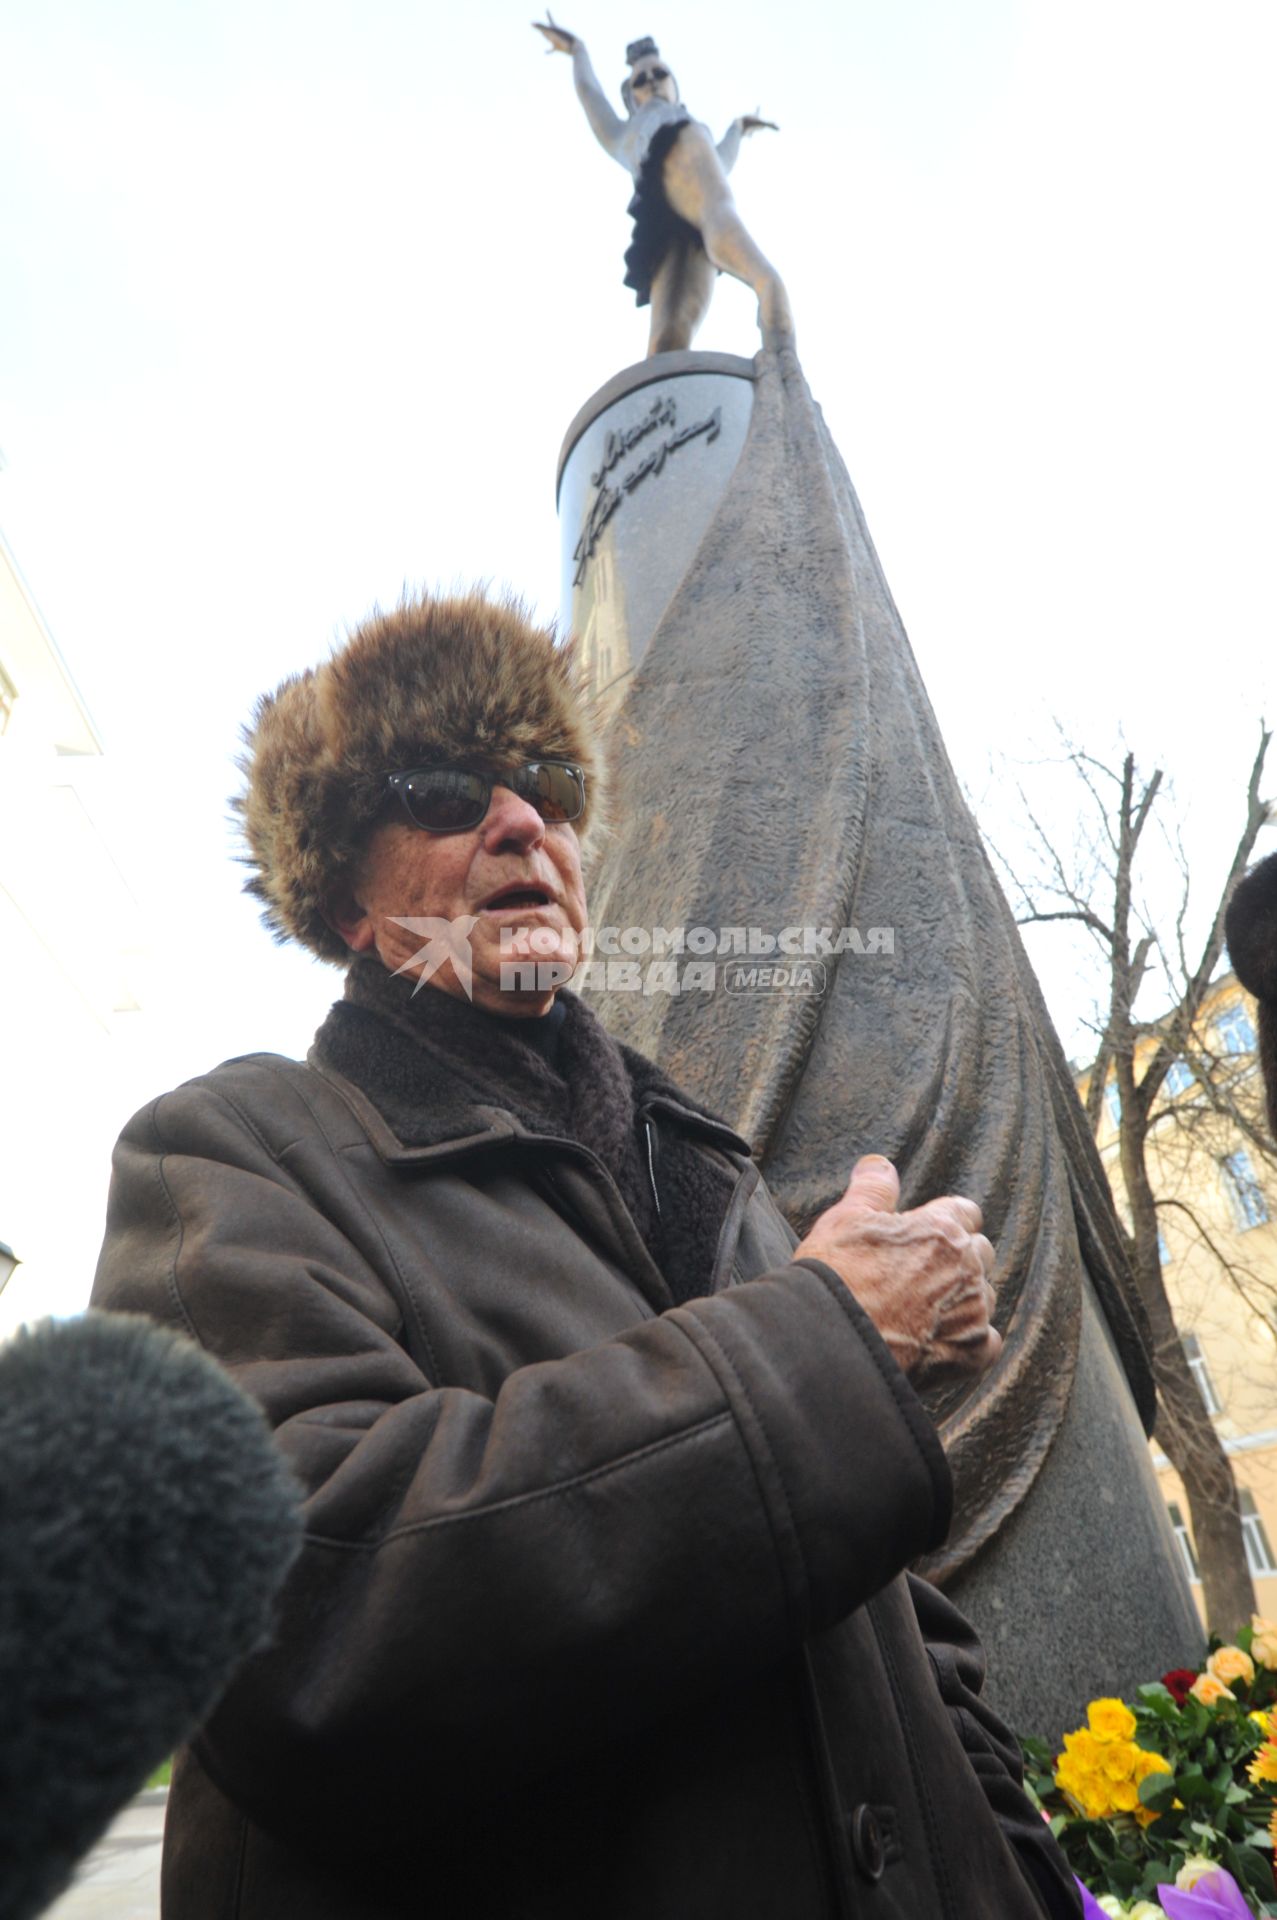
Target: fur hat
447 680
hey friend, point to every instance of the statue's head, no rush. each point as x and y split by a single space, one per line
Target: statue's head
648 78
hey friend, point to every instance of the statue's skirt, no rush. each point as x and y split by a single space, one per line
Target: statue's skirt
656 226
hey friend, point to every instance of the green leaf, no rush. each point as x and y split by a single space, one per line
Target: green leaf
1125 1876
1250 1869
1192 1785
1159 1873
1157 1699
1157 1791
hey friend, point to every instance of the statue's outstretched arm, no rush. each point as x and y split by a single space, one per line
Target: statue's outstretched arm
729 145
606 125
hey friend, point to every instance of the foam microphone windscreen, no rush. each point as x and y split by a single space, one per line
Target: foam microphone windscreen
147 1521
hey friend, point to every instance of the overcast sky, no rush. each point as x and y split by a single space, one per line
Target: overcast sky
297 302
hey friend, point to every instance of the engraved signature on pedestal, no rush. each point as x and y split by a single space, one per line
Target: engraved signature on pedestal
661 413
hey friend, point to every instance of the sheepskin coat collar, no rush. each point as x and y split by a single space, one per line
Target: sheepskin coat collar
439 1071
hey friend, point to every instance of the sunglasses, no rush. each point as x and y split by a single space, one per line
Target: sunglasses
650 77
451 799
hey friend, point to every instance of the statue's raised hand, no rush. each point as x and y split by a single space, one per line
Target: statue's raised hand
751 122
561 41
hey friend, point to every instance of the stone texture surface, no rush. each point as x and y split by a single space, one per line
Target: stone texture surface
777 764
1094 1514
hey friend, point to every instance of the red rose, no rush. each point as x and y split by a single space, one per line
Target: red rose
1178 1683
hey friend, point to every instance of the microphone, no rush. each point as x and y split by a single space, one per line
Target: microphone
147 1521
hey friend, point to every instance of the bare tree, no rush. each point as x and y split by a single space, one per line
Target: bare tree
1095 884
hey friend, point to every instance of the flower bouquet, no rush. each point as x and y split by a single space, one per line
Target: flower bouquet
1167 1805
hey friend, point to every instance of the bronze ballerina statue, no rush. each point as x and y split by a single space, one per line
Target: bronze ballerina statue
686 223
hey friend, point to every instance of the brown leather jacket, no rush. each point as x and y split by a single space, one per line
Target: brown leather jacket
601 1610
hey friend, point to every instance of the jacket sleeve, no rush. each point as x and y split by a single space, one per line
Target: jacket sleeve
957 1660
490 1584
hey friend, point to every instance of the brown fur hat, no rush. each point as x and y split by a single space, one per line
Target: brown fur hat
463 679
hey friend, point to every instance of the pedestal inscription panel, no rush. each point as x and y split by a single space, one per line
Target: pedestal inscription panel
643 470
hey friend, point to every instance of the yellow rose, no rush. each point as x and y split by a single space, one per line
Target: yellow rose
1261 1720
1192 1870
1209 1690
1145 1764
1083 1749
1230 1663
1264 1644
1145 1910
1110 1904
1068 1779
1110 1720
1124 1795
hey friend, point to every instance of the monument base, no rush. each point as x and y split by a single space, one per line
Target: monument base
1085 1571
781 786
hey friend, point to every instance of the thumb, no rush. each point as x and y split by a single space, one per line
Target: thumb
874 1185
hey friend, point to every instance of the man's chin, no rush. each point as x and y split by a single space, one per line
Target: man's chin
523 984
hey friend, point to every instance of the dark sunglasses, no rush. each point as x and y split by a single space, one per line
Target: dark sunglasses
451 799
650 77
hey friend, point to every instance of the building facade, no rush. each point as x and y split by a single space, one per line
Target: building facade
1217 1213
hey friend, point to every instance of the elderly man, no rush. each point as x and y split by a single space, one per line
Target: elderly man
610 1487
686 226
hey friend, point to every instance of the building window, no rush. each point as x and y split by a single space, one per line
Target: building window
1180 1530
1201 1373
1179 1075
1163 1251
1113 1101
8 694
1259 1554
1245 1195
1234 1029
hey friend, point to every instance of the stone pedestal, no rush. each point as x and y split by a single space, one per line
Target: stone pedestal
779 777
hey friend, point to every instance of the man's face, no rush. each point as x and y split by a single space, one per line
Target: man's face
517 876
651 79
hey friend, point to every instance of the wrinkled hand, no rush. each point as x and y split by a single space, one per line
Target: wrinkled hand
561 41
922 1276
751 122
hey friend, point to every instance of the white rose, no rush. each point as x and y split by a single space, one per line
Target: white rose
1192 1870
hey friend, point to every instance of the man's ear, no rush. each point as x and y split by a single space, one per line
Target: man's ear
347 917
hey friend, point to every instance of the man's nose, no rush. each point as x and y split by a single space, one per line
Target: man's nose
511 821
